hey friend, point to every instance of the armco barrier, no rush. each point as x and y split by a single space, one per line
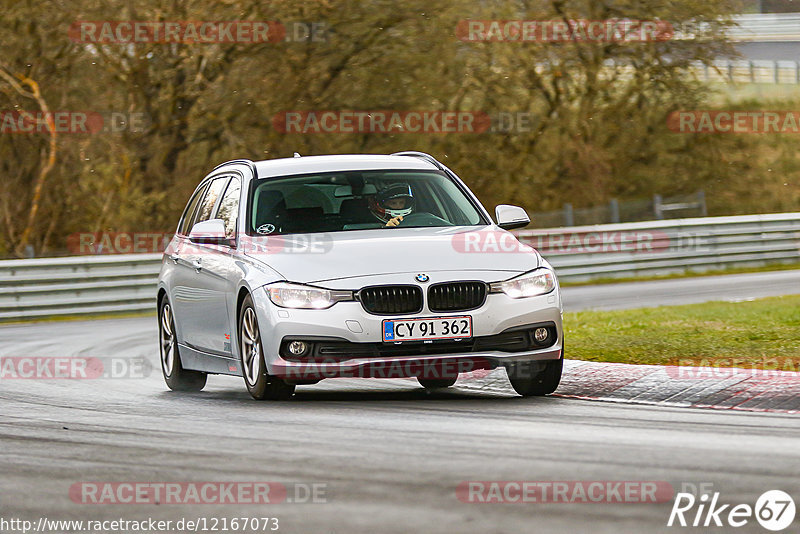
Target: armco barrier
766 27
668 247
79 285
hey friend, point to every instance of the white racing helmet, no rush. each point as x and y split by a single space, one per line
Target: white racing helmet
394 192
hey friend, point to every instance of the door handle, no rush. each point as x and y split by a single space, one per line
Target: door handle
174 258
197 264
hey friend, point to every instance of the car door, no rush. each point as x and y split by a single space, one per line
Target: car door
179 278
224 269
201 283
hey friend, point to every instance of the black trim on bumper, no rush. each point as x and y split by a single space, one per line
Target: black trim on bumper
332 349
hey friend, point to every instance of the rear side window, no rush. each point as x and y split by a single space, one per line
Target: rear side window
229 207
207 206
189 212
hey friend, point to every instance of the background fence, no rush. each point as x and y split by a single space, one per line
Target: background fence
750 71
658 207
47 287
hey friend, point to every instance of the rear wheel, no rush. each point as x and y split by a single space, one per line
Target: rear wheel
259 383
176 377
537 383
436 383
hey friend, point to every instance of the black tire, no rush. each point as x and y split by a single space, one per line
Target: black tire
436 383
539 383
176 377
259 383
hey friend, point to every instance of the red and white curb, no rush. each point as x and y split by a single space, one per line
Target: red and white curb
696 387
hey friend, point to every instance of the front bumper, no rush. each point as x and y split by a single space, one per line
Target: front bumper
348 323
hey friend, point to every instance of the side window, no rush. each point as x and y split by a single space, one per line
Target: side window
207 207
229 207
189 212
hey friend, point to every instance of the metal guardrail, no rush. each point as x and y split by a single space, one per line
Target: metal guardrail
77 285
763 27
668 247
80 285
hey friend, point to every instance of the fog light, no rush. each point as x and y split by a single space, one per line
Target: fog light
541 335
297 348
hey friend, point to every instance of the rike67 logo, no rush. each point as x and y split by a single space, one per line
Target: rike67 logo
774 510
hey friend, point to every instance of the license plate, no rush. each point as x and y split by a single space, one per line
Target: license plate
427 328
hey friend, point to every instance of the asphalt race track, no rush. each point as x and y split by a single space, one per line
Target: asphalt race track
731 287
388 455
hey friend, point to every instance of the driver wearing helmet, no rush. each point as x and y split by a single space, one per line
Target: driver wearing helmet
393 203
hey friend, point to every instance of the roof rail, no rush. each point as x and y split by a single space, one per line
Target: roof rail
244 161
421 155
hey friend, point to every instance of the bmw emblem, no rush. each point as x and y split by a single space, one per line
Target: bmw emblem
423 278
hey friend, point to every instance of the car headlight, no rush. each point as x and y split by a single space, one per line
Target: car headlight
530 284
287 295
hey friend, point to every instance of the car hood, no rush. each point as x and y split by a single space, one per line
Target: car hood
320 257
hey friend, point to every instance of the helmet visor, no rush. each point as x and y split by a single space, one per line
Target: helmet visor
396 197
398 203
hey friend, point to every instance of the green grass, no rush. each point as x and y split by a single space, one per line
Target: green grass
691 274
761 334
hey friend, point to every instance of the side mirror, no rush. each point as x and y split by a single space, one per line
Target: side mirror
211 232
510 217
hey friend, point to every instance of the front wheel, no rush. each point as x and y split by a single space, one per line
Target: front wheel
176 377
259 383
536 384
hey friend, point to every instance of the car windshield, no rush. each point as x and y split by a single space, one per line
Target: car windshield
359 200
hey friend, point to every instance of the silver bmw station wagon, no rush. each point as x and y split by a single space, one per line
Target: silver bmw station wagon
290 271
